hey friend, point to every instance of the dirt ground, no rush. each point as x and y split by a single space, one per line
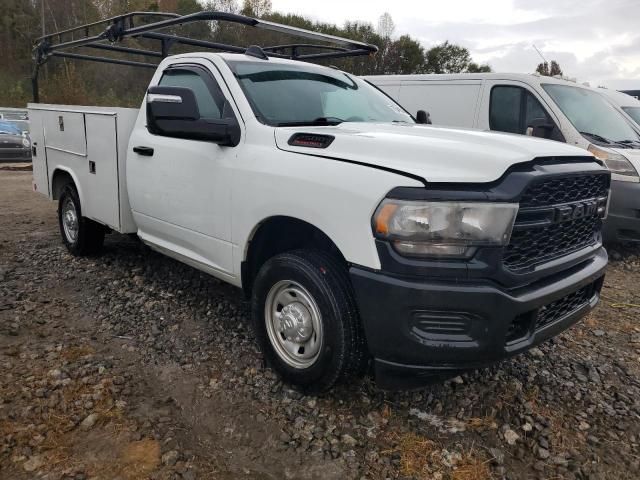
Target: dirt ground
130 366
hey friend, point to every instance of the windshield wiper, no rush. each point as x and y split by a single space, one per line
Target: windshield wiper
629 142
320 121
597 137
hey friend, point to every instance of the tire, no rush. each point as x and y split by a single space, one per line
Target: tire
298 285
80 235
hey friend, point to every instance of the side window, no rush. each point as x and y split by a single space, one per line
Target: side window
504 109
208 95
513 109
534 111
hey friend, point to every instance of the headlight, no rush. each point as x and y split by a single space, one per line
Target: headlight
443 229
620 168
26 143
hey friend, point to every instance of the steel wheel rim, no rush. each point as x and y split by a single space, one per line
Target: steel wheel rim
70 220
294 324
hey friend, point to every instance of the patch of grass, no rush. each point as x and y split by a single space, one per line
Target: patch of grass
72 354
482 423
472 467
416 455
423 459
140 458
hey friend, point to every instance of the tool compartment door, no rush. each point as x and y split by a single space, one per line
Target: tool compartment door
82 141
101 194
39 153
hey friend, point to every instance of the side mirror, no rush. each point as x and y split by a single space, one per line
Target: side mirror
173 112
540 127
423 117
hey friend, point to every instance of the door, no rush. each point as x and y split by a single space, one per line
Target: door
102 202
512 108
38 153
180 189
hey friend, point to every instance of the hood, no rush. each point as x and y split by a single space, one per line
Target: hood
8 140
435 154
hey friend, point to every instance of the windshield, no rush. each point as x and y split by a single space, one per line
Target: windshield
282 94
21 125
8 128
592 115
633 112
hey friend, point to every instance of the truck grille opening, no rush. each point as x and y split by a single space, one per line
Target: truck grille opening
565 189
533 243
561 308
527 323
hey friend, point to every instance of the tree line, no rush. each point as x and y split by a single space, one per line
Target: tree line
79 82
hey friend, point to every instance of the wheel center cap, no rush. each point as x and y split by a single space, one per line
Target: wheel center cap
295 323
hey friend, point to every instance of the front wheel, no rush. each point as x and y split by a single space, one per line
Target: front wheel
80 235
306 319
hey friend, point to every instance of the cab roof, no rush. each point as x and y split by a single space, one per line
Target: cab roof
243 57
530 78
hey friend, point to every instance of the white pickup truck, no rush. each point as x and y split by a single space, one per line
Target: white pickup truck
357 233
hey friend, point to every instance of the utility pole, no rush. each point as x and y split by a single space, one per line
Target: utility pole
42 15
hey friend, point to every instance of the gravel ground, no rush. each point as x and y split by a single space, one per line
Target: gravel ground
133 366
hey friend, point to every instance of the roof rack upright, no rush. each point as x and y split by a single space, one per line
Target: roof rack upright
116 29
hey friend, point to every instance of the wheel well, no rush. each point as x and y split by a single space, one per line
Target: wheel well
278 235
60 179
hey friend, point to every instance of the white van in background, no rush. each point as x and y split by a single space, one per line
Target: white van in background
627 104
546 107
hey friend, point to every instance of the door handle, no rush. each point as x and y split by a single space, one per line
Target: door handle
145 151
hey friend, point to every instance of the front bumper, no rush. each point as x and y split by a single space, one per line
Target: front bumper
623 222
418 327
15 154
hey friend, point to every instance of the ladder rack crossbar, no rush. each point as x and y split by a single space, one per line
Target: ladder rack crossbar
137 25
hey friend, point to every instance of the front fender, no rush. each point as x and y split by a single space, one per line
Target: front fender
335 197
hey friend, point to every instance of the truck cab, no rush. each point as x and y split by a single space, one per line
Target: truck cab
359 236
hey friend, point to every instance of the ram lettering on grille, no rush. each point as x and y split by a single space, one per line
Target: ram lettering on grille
568 212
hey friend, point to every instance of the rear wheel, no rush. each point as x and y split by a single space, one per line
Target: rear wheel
80 235
306 319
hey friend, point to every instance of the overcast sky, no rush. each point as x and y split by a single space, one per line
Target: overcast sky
593 40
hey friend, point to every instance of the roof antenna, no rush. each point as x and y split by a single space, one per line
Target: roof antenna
540 53
256 51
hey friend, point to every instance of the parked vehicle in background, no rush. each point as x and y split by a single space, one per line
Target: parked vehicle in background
627 104
14 146
634 93
538 106
356 232
17 116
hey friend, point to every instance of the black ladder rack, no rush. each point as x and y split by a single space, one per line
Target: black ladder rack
116 29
